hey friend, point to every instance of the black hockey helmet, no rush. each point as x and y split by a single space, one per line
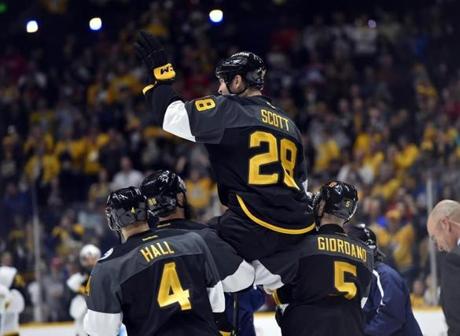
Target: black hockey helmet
367 236
340 199
246 64
125 207
161 189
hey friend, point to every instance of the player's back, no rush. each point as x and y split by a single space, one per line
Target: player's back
333 275
159 281
256 153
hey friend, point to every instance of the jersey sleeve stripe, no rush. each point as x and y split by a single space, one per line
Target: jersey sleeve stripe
269 226
241 279
102 324
147 88
176 121
265 277
276 298
216 298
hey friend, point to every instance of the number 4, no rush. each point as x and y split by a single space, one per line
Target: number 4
171 290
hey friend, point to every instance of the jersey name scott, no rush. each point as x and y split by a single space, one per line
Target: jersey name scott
274 119
338 245
152 251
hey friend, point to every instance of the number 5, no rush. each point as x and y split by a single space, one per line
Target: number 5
340 268
171 290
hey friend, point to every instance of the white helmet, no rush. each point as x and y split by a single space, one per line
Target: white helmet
89 251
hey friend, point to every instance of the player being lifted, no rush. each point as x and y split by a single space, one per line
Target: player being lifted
327 274
159 283
255 150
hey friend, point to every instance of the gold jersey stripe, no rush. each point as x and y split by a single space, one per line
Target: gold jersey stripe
276 298
271 226
148 87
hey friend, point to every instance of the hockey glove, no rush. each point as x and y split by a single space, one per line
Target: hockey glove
152 53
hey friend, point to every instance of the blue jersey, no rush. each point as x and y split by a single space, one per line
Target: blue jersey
388 311
250 300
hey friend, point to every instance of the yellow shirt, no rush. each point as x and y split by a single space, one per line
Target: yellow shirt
386 190
49 163
374 161
91 164
327 152
383 237
406 157
417 301
76 149
199 193
403 242
126 81
362 143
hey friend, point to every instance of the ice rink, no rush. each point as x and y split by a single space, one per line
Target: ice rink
431 321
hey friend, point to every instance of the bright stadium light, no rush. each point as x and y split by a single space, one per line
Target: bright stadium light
32 26
95 23
216 16
372 24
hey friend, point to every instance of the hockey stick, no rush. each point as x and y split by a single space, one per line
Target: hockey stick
2 323
236 314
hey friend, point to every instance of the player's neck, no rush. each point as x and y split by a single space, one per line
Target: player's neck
251 93
331 219
177 214
134 229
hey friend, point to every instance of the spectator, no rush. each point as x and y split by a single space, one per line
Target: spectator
127 177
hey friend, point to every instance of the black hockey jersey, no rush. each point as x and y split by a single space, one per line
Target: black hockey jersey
236 274
255 151
326 280
158 283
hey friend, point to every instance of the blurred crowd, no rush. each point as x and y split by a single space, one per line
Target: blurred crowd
377 98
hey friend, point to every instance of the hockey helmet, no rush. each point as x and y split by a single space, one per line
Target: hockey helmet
246 64
89 251
161 189
340 199
367 236
125 207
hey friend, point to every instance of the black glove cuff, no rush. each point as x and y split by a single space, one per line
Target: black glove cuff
160 96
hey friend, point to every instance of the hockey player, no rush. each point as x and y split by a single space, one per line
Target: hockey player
166 198
388 310
11 300
161 283
77 282
330 274
255 149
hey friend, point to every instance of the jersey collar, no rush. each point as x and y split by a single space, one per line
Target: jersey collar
330 228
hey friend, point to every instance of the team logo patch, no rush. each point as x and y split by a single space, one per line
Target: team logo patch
107 254
164 72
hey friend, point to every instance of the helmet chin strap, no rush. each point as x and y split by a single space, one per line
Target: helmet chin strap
236 93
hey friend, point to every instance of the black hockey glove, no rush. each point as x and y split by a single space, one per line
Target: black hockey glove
152 53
